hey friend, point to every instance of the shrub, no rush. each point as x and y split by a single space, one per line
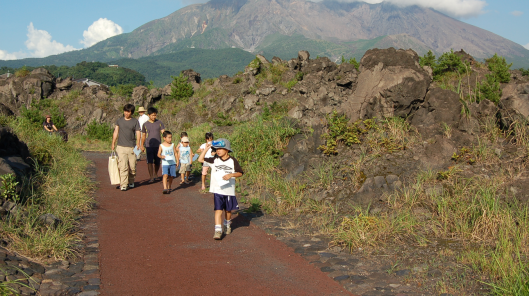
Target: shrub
58 119
339 131
181 90
123 89
100 131
524 72
428 60
351 61
490 89
449 62
237 80
223 120
9 187
22 72
499 67
32 114
299 76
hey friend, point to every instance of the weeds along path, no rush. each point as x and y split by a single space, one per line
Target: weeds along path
155 244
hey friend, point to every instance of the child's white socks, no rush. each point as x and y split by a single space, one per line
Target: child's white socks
227 222
218 228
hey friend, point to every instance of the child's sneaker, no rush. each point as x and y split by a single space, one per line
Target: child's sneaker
228 229
124 188
131 185
218 235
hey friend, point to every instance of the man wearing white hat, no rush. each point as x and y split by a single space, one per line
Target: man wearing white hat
142 119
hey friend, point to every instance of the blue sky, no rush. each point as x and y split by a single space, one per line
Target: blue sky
31 28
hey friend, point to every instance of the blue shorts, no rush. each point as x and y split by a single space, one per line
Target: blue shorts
169 170
152 155
225 202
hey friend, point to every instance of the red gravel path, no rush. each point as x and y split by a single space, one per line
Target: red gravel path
154 244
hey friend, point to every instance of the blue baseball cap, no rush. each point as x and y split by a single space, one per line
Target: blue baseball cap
221 143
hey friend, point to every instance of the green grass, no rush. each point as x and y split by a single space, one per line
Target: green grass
60 186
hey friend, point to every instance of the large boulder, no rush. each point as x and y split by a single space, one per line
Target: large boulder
14 155
440 106
193 78
514 105
391 83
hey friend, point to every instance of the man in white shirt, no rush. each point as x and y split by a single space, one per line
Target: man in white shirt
142 119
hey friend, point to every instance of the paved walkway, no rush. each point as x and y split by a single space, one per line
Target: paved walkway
155 244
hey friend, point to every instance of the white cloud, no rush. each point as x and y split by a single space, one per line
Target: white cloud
41 45
4 55
456 8
100 30
526 46
517 13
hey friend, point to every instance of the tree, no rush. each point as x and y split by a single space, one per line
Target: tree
181 89
428 60
490 89
499 67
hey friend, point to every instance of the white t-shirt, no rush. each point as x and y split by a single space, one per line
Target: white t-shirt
168 152
220 168
208 154
142 119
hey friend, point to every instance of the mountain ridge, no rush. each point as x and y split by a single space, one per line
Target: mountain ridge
328 28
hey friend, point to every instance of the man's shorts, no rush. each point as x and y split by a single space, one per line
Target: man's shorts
152 155
184 167
169 170
225 202
205 170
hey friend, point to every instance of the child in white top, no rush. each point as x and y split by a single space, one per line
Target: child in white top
224 170
186 159
209 154
169 156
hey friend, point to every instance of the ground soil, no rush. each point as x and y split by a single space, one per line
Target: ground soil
155 244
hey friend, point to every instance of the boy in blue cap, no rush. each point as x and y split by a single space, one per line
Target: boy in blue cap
224 170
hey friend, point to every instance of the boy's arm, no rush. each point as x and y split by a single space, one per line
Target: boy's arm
115 136
238 171
160 153
203 153
143 137
177 157
191 157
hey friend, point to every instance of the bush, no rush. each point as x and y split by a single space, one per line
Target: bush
58 119
9 187
428 60
123 89
490 89
449 62
524 72
181 90
33 115
100 131
499 67
237 80
299 76
351 61
22 72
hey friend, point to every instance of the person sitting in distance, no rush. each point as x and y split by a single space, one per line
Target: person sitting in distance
48 125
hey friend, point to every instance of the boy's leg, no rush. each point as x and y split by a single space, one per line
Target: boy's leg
132 166
165 181
123 165
169 181
156 169
150 168
218 217
203 182
183 177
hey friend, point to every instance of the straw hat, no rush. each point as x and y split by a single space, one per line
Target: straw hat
185 140
141 109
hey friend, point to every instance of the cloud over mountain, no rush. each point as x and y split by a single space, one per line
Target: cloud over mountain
455 8
100 30
41 44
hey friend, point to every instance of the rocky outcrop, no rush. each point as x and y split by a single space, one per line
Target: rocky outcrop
391 83
514 105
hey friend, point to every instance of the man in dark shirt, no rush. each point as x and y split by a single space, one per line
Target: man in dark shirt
127 135
151 131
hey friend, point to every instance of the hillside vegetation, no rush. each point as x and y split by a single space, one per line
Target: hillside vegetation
97 71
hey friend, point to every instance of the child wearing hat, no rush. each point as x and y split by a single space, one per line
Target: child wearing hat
186 159
224 170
